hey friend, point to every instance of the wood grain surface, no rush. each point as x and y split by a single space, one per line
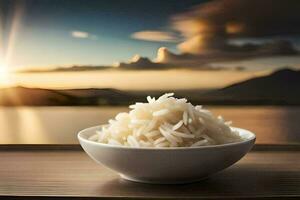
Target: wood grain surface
68 174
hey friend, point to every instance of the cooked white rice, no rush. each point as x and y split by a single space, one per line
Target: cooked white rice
166 122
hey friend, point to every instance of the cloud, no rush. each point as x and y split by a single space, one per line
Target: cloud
259 29
138 62
80 34
165 59
156 36
83 35
207 32
207 28
232 53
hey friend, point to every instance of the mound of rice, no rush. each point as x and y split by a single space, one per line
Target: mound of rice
166 122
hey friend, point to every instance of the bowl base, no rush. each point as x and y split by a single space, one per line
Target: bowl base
161 181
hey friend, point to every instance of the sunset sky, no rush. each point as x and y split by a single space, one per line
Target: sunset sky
139 34
42 33
55 32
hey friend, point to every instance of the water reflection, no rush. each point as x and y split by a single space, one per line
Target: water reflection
59 125
22 125
271 124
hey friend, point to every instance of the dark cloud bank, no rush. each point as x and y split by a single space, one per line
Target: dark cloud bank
207 30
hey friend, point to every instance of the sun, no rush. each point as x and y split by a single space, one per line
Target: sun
4 75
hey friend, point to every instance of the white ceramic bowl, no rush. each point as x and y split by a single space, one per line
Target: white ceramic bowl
166 165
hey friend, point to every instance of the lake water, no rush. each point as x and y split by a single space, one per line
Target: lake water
59 125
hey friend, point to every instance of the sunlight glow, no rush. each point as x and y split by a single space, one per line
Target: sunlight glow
7 51
14 31
4 75
141 80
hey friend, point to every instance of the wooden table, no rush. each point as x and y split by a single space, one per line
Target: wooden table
66 172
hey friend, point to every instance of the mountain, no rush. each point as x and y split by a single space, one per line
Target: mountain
18 96
280 87
21 96
103 96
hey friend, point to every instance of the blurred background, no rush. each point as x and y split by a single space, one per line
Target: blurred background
69 64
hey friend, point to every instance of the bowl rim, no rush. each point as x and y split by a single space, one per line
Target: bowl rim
247 140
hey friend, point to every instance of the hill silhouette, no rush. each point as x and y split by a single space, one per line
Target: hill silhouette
19 96
279 88
22 96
